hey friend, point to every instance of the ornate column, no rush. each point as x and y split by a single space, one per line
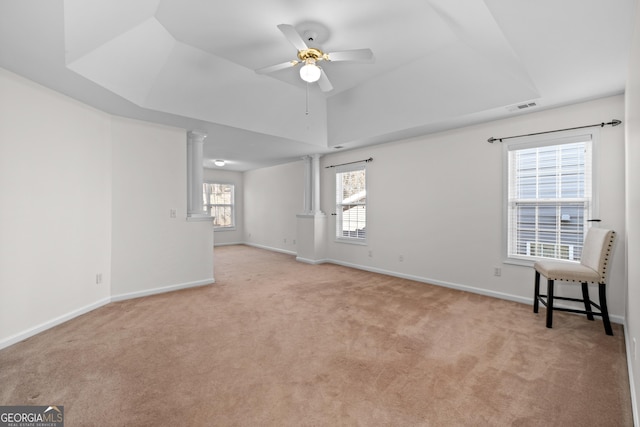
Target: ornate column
316 183
308 186
311 231
195 149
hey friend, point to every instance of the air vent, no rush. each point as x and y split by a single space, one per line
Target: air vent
521 107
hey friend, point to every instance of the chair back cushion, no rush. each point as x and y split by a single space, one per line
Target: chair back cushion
597 250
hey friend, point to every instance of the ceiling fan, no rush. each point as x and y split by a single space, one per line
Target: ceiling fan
311 72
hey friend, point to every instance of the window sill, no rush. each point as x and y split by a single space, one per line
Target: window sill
360 242
224 228
528 262
519 261
196 218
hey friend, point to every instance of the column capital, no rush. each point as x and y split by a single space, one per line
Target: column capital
196 136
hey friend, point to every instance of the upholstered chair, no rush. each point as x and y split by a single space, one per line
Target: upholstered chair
592 268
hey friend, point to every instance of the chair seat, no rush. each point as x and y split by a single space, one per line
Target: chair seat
570 271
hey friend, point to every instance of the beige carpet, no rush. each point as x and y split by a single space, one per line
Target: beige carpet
280 343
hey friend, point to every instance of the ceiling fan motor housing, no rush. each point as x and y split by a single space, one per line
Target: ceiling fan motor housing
313 54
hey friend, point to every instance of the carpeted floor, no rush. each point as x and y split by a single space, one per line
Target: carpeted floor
276 342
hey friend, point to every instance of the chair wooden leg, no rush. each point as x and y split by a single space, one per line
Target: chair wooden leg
536 292
549 303
603 308
587 301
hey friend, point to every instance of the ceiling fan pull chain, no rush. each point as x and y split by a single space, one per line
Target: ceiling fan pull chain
306 112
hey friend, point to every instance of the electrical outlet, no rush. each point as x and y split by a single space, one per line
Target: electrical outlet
98 278
294 241
172 213
497 272
370 254
401 258
284 240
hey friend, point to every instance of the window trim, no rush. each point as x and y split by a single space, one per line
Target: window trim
343 169
232 205
560 137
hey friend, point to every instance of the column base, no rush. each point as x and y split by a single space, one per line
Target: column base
311 235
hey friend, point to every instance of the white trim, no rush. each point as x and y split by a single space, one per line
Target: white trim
480 291
269 248
102 302
311 261
199 217
532 141
457 286
215 245
51 323
632 387
351 240
164 289
340 203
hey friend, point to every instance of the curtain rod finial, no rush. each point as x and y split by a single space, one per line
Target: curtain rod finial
615 122
491 140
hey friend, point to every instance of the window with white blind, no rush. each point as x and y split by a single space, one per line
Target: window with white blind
351 203
549 197
219 203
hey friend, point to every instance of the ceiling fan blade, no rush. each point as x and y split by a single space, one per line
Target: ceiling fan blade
360 55
277 67
324 83
292 35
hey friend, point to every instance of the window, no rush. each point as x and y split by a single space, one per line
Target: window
549 197
351 203
219 203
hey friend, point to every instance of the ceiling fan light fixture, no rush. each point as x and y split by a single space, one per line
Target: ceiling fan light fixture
310 72
219 163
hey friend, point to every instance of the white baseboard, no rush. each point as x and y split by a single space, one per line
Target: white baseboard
148 292
311 261
466 288
500 295
227 244
632 387
269 248
6 342
450 285
51 323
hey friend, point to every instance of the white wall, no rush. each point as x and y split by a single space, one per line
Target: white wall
436 201
632 98
55 207
272 198
83 193
229 237
152 251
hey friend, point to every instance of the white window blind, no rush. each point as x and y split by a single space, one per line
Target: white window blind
219 203
351 203
549 197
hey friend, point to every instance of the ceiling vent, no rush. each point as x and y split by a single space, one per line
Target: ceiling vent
520 107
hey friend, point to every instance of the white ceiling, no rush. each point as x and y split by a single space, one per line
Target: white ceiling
438 64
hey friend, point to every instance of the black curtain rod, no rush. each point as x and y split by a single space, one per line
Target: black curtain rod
612 123
370 159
